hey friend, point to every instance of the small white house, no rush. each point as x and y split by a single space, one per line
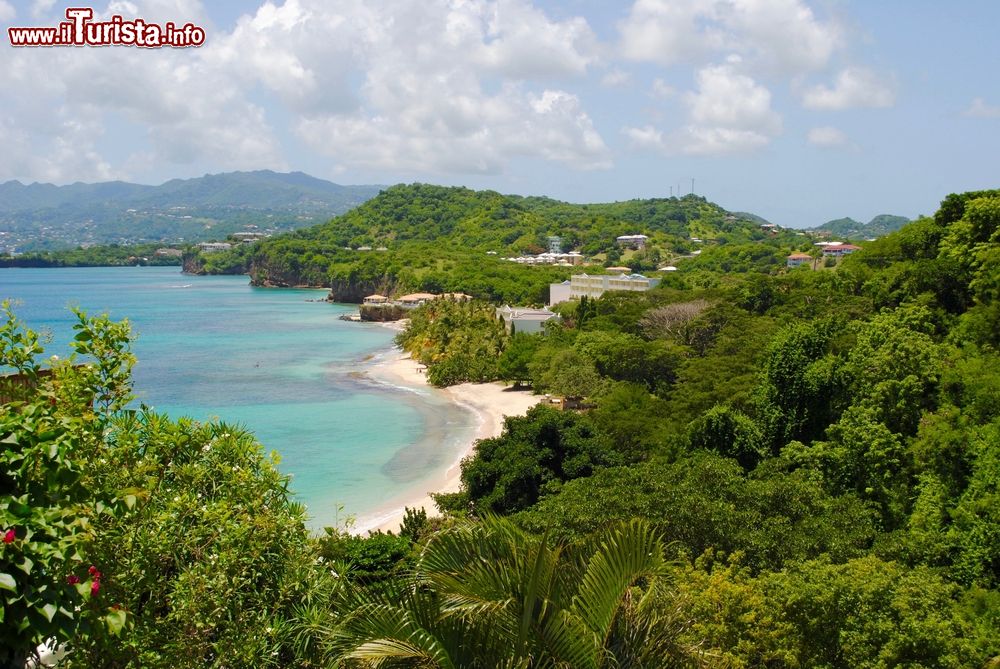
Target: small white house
524 319
633 241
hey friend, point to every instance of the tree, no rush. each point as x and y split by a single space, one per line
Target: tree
729 432
571 375
534 454
513 363
797 384
673 321
488 594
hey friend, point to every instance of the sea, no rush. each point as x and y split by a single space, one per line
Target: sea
277 361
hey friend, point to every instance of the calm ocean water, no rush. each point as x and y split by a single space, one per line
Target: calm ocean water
275 361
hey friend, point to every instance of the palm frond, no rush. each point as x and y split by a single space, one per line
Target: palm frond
625 554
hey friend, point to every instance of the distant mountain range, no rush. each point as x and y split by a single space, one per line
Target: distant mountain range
40 216
848 228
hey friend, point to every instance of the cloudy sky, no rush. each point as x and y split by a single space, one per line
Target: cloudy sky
797 110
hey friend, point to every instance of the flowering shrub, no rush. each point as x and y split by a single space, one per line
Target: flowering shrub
134 539
46 434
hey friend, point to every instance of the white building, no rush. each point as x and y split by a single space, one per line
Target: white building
838 250
571 258
524 319
214 247
559 292
634 241
594 286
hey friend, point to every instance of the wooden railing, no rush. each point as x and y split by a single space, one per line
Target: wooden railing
19 386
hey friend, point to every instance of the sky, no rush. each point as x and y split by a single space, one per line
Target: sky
799 111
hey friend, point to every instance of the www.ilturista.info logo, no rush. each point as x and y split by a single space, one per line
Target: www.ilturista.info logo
81 30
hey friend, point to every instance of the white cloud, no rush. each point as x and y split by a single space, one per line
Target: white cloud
662 89
646 137
474 135
827 137
979 109
521 42
428 86
191 110
728 113
40 8
782 36
616 78
854 87
668 31
7 11
429 101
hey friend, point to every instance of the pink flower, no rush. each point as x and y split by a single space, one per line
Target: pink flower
72 579
95 587
9 536
93 572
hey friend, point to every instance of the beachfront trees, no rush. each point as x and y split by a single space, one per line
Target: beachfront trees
535 454
458 341
488 594
513 365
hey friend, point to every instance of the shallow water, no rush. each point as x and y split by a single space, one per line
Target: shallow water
279 362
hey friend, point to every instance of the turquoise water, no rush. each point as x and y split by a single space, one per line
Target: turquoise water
279 362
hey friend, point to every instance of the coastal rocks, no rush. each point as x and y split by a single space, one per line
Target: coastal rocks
354 291
191 263
380 313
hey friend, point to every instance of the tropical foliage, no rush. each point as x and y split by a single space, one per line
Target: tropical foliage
780 469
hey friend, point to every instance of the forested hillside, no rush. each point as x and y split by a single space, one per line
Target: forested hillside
43 217
772 468
848 228
434 237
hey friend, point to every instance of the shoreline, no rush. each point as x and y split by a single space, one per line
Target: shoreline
490 403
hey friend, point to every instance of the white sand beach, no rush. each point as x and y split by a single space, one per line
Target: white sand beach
491 402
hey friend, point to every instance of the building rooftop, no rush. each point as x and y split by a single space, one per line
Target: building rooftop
414 297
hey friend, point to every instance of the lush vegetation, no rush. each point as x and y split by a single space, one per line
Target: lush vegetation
773 469
112 255
43 217
848 228
436 238
827 438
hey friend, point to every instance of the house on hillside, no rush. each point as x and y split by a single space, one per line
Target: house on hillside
839 250
797 259
415 300
375 300
214 247
632 241
524 319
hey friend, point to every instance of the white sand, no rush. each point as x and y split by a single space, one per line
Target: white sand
491 402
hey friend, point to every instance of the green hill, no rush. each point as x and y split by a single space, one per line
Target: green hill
44 216
848 228
421 237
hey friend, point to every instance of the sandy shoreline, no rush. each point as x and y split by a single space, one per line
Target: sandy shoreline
490 402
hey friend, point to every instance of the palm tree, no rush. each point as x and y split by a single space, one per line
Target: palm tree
488 594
